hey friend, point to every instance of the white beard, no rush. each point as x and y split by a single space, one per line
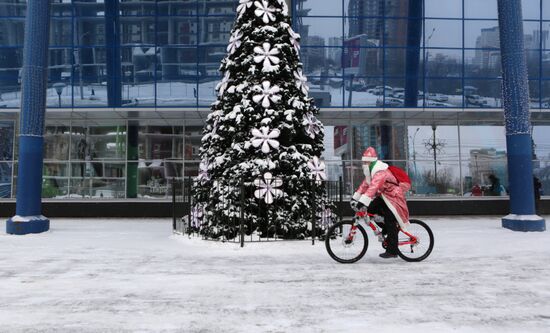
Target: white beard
366 172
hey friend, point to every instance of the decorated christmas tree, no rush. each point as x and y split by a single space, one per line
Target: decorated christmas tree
262 137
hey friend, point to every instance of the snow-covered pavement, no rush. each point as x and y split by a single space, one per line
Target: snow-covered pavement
135 276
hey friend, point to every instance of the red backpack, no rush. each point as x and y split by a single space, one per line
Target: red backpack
402 177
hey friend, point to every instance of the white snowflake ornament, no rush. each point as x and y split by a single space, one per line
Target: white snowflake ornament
243 6
312 125
267 188
317 168
301 81
220 87
267 55
294 39
264 11
215 126
196 216
203 172
234 42
265 138
268 94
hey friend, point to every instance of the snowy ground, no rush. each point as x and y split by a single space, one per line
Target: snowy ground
135 276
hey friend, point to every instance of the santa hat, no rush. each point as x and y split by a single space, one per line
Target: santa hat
369 155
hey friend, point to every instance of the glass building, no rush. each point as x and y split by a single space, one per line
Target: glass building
131 81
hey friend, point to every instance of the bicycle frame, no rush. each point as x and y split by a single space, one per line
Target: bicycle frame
366 217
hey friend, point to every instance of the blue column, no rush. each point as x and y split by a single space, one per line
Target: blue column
28 218
112 56
515 93
414 36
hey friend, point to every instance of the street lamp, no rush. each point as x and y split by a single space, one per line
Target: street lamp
434 127
78 57
414 149
427 65
433 145
59 89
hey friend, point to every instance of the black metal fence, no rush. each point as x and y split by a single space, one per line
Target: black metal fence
258 211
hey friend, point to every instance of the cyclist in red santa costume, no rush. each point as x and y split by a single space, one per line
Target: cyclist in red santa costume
382 194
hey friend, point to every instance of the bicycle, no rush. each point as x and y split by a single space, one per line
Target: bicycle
345 245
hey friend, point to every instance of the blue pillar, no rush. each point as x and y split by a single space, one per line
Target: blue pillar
28 218
515 93
414 36
112 57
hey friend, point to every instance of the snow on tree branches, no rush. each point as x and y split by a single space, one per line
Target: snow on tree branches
262 136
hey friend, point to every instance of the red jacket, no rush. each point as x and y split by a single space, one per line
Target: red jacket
382 182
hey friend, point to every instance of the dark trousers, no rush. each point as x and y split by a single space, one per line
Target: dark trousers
379 207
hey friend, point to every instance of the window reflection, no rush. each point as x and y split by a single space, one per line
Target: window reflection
214 8
534 94
481 34
321 7
443 8
98 155
442 33
443 63
60 31
533 38
160 159
314 60
205 91
531 9
318 31
486 9
541 156
483 148
137 8
482 93
444 92
433 155
171 45
6 157
483 63
177 8
545 10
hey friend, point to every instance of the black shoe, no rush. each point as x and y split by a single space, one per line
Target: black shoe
387 255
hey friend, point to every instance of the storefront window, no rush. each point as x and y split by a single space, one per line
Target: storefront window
541 156
483 152
6 157
160 159
434 159
99 161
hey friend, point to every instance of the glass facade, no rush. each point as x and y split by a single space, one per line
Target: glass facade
163 59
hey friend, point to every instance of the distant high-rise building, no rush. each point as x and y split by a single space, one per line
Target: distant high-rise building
485 58
487 54
368 18
314 58
335 51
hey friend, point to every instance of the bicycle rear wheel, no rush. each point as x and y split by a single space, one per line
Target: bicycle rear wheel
341 247
419 249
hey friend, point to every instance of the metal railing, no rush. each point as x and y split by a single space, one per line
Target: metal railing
252 211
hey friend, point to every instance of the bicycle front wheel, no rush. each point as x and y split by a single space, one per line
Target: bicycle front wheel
344 247
419 246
